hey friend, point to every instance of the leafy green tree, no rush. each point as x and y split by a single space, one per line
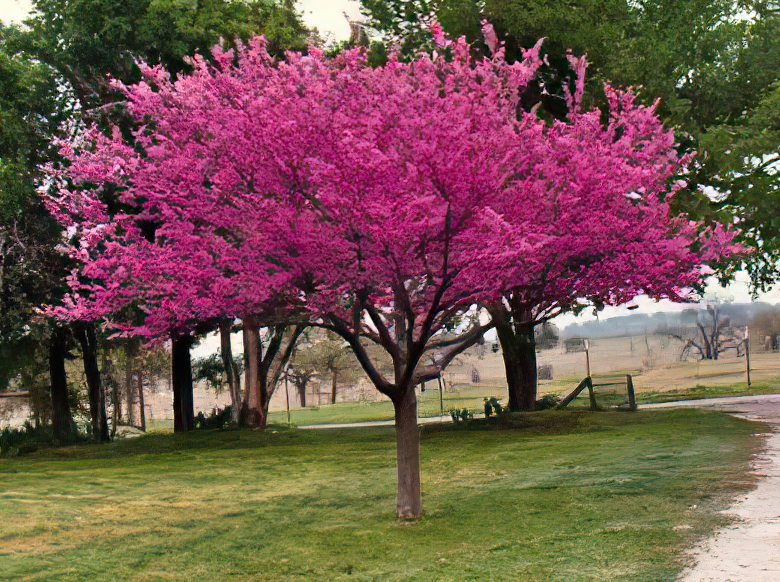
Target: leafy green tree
31 270
86 40
54 70
747 151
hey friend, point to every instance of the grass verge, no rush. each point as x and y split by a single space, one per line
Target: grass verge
541 496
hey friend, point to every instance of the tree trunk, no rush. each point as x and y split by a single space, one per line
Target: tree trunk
231 369
61 417
301 386
129 385
253 413
334 386
407 437
518 347
117 412
181 373
141 404
97 396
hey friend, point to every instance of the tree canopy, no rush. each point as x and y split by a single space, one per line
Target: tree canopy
712 63
380 203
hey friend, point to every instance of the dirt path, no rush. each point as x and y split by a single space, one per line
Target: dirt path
749 550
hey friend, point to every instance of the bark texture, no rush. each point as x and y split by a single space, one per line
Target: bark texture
181 375
334 386
231 369
61 417
515 330
97 397
407 436
252 415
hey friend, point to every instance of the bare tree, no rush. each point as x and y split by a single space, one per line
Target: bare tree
712 335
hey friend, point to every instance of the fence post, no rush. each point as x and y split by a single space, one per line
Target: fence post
587 358
441 395
591 395
631 394
747 355
287 397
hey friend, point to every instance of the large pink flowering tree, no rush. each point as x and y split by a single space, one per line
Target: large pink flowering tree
384 204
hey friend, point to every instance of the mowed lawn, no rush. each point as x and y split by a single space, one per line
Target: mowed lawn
551 495
472 397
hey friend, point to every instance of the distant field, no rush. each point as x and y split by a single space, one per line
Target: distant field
472 397
653 362
565 496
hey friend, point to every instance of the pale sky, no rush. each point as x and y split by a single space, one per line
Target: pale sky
328 17
14 10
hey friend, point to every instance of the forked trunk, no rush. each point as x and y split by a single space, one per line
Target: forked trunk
61 417
181 376
97 397
231 369
407 437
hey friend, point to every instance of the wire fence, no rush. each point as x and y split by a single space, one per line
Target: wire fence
653 361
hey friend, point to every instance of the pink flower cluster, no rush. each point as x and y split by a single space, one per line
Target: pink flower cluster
385 199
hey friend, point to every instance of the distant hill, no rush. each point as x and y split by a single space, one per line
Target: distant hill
741 314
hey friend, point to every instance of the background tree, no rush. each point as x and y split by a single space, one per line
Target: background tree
745 149
324 355
712 333
31 270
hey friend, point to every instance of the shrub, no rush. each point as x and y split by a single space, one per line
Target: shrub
547 402
23 440
461 415
218 419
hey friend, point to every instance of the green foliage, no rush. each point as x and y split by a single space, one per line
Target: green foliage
496 404
218 419
30 268
84 40
27 439
492 406
210 370
461 415
747 152
547 402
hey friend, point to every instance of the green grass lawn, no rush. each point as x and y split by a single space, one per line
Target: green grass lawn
471 397
701 391
561 495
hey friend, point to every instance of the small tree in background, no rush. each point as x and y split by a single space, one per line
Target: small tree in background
326 356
